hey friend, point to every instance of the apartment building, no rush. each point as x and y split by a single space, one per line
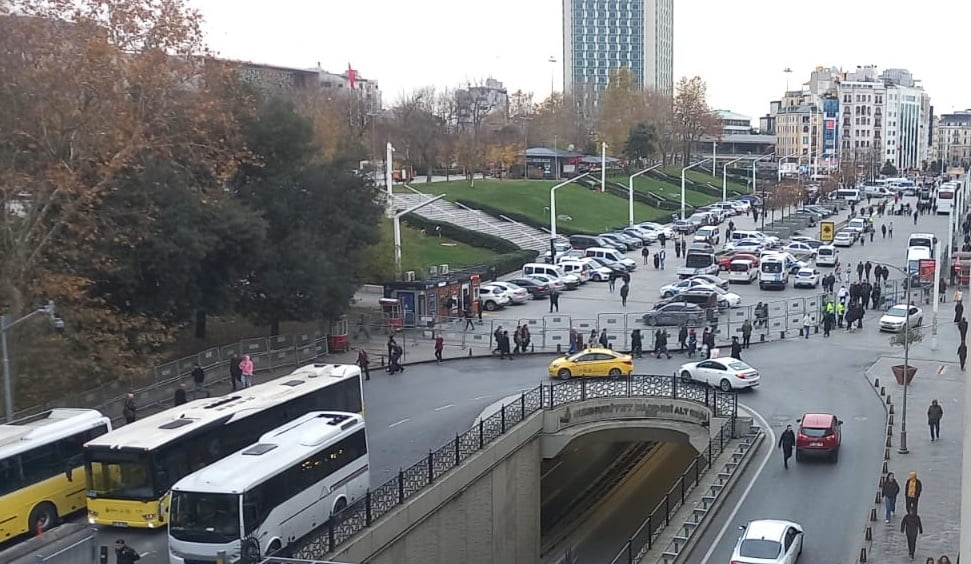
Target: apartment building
954 138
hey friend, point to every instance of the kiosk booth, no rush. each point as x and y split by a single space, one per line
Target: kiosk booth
424 303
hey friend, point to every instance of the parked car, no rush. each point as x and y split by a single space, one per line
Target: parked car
684 226
616 242
708 234
725 261
814 243
806 278
769 541
631 241
899 315
539 290
493 297
802 251
657 228
675 315
555 282
712 279
592 362
859 225
820 434
612 265
561 246
670 290
516 294
751 246
726 374
646 236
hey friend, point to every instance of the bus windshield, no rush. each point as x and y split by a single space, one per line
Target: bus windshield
945 195
205 517
119 474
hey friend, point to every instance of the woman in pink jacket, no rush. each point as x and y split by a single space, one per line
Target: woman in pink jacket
246 367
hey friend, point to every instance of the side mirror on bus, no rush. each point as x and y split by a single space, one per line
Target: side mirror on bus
69 471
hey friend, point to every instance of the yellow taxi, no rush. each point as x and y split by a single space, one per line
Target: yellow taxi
592 362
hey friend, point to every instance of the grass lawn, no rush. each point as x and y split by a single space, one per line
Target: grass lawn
588 210
700 176
419 251
645 184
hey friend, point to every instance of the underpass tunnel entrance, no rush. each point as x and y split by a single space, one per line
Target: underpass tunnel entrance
601 486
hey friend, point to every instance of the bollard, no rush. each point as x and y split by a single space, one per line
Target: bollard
816 330
885 470
881 481
889 440
889 430
890 419
762 338
878 498
886 454
869 534
103 555
532 347
863 554
782 334
891 408
559 348
883 390
873 514
470 352
876 382
889 400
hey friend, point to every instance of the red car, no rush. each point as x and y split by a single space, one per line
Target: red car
726 260
819 434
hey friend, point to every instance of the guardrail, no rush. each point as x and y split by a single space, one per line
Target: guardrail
380 501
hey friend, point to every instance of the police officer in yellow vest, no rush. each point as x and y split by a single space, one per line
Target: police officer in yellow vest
840 312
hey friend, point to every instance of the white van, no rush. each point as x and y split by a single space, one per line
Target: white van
597 271
773 273
576 268
827 255
709 234
914 256
551 270
743 271
926 240
611 254
848 194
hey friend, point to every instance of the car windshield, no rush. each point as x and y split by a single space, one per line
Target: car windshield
205 517
897 311
816 432
740 266
806 273
738 365
759 548
699 260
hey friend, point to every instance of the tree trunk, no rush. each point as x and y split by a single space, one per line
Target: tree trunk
200 324
274 327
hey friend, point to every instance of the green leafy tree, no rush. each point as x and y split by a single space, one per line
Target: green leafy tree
641 142
888 169
320 220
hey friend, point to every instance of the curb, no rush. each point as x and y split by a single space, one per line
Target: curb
720 502
886 400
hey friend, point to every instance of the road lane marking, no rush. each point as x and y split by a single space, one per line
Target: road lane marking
547 473
444 407
765 460
393 425
477 398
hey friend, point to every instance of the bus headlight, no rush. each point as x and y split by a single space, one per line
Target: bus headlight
149 517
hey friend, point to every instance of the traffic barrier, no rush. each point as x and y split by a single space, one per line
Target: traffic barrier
869 534
883 390
873 514
863 554
888 399
878 498
876 382
886 454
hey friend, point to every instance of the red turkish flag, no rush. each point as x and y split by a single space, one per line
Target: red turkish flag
351 75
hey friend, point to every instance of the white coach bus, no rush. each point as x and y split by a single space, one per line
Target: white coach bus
271 493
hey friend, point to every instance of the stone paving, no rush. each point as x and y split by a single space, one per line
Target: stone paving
938 463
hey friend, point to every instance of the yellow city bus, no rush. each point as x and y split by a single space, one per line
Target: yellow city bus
42 470
131 469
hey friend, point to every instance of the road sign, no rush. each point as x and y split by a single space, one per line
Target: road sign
827 231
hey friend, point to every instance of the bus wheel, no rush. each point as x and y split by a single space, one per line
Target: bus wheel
42 518
340 505
274 549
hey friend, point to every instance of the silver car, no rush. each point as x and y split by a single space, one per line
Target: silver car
769 541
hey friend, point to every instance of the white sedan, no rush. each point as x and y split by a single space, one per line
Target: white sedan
712 279
517 294
726 374
844 239
683 286
726 298
753 246
800 249
806 278
769 541
896 316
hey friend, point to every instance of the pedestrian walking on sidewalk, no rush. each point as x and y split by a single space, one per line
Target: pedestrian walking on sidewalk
612 282
504 350
637 344
786 442
890 490
662 254
934 414
363 361
746 333
246 368
958 311
469 323
736 348
890 230
807 323
963 328
645 252
883 229
910 525
439 347
554 300
963 353
912 490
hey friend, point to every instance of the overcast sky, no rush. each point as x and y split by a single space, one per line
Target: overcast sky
740 48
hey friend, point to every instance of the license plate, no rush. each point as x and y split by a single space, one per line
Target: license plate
816 444
119 524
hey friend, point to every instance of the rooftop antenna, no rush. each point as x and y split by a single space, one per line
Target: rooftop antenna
788 71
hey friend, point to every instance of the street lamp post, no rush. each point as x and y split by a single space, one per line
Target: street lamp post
397 230
630 192
903 420
683 170
754 166
389 178
725 176
6 325
552 61
553 213
603 167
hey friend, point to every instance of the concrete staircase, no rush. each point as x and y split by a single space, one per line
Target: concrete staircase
523 236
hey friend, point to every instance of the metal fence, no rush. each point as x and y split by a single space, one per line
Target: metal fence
410 481
268 353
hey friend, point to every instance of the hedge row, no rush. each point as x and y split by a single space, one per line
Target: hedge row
461 234
509 262
516 216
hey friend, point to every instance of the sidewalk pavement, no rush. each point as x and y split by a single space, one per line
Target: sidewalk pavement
937 463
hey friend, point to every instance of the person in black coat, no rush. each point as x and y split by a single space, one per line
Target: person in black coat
180 396
125 554
235 372
736 348
958 312
637 344
786 442
910 525
504 350
963 328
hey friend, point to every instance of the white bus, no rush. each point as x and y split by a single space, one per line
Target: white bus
42 470
945 198
258 500
131 469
